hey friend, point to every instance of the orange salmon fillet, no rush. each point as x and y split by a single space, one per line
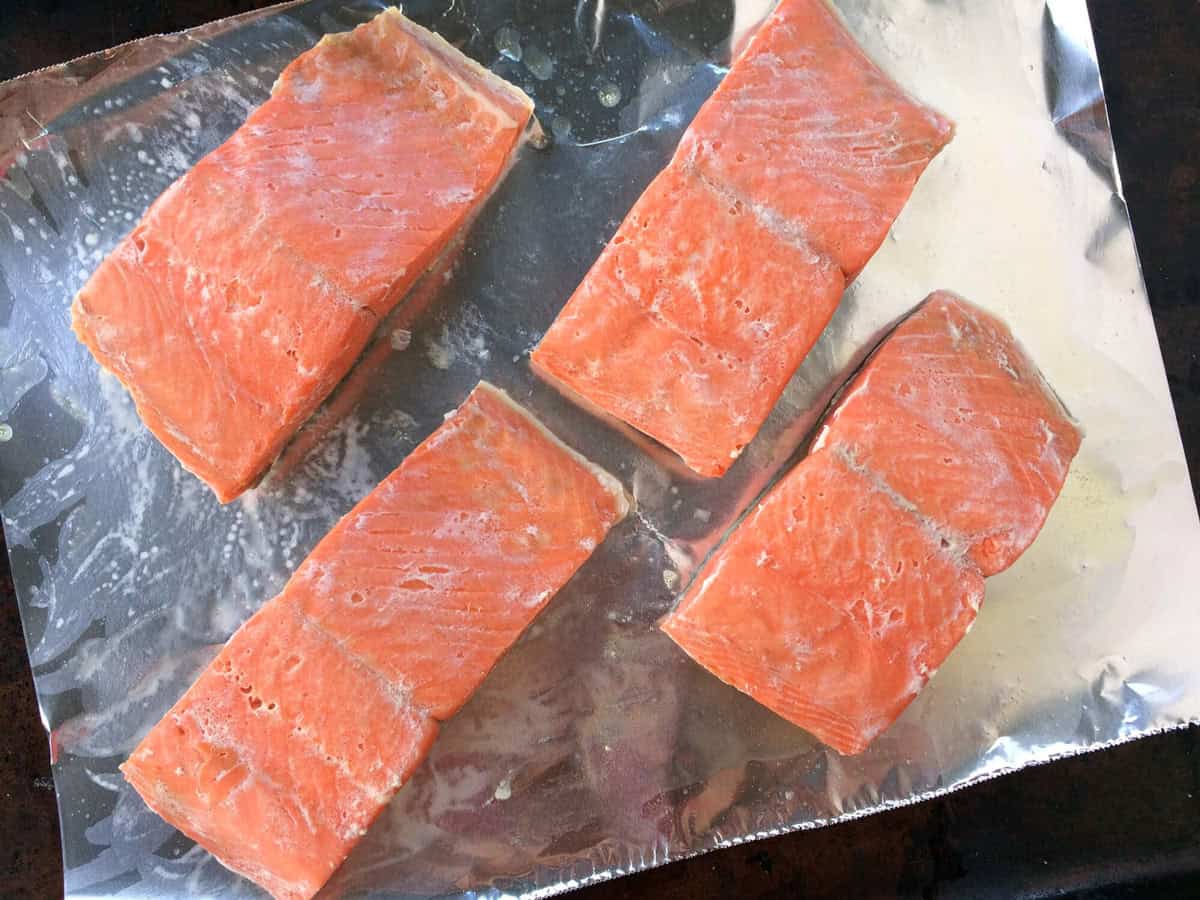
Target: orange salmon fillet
828 604
954 416
252 284
729 266
837 598
321 706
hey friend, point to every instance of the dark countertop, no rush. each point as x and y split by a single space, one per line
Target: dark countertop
1122 823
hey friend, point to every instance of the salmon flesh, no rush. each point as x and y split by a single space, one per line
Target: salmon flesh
323 704
249 288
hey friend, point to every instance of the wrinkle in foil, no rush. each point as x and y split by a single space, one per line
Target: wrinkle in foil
595 748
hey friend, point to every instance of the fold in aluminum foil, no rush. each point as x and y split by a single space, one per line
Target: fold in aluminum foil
595 748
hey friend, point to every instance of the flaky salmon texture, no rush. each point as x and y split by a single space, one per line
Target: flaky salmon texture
323 704
835 600
250 287
730 265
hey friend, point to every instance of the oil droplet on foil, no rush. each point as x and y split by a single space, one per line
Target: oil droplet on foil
540 65
561 127
508 42
400 339
609 94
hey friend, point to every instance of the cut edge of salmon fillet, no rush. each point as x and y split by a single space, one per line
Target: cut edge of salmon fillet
392 333
228 485
197 764
656 450
519 103
625 503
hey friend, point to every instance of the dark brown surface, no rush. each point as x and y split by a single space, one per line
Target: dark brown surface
1122 823
30 862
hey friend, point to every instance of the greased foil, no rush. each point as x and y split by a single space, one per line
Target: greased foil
595 748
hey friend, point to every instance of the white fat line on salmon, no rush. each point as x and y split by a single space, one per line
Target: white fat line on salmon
952 543
788 231
689 279
313 742
400 696
711 576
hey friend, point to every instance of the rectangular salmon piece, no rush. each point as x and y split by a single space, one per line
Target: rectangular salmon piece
837 598
321 706
432 577
829 604
689 333
252 284
727 269
953 415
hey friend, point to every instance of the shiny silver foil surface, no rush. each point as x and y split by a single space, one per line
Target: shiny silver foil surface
596 748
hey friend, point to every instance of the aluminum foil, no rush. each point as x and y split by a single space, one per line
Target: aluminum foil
595 748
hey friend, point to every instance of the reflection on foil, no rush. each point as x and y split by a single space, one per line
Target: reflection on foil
595 748
1073 86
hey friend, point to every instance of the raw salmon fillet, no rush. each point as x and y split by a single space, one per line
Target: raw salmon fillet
321 706
829 604
253 283
837 598
729 266
953 415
